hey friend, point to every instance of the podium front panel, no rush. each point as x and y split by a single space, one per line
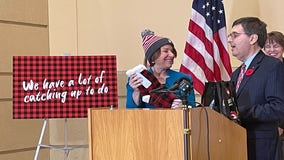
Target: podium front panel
136 134
214 135
158 134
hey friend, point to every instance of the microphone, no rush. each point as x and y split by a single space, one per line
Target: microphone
175 86
184 87
183 84
180 90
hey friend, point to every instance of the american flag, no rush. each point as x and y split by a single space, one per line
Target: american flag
206 56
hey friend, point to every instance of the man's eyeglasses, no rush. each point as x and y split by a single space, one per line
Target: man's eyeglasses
234 35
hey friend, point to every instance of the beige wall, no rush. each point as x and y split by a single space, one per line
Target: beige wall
113 27
24 31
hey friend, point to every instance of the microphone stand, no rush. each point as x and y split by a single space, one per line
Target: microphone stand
184 88
186 130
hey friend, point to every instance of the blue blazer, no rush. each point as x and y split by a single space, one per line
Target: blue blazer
260 99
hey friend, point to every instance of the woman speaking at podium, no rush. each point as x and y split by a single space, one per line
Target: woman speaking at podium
156 86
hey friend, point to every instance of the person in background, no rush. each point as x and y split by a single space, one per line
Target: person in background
274 47
159 58
259 88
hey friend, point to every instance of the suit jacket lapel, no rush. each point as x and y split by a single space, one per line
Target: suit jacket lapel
253 66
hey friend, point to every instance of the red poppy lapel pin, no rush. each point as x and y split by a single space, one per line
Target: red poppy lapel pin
249 71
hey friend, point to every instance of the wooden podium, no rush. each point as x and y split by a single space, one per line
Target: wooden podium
158 134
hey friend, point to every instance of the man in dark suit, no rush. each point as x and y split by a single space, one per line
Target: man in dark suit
260 88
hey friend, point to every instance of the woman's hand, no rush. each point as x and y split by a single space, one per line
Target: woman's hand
135 81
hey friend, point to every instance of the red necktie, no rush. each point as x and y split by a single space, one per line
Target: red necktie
241 75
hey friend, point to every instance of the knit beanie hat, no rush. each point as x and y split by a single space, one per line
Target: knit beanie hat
151 43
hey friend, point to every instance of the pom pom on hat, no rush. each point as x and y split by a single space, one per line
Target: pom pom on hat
151 43
147 32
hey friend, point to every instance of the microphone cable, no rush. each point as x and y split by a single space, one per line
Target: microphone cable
207 128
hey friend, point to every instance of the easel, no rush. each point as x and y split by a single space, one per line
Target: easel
66 148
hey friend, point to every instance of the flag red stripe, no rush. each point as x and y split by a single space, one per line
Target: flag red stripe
199 59
224 57
195 29
198 84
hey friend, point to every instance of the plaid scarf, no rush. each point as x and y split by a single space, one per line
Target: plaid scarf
158 100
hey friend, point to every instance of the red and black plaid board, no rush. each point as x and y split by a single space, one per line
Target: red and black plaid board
62 86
